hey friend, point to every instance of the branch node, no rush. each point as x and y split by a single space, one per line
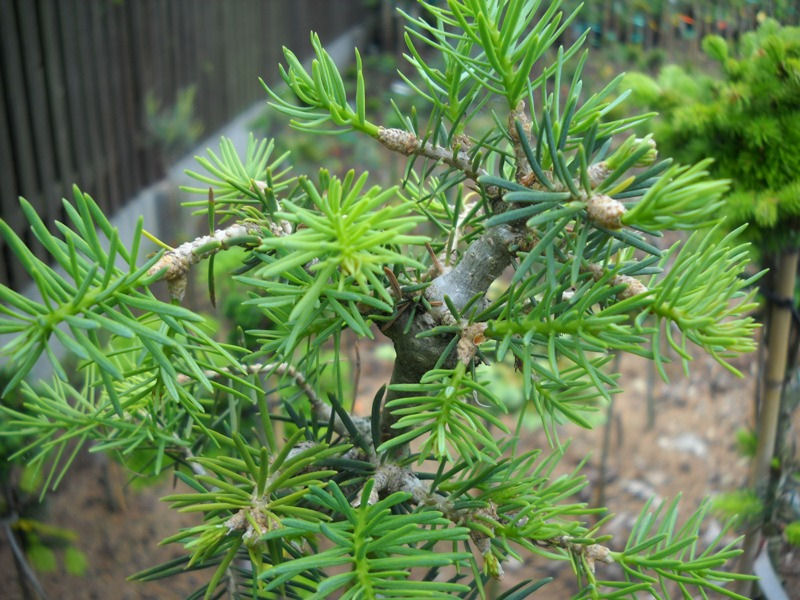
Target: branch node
598 172
471 337
633 287
176 263
524 173
605 211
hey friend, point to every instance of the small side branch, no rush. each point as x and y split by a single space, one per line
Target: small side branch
407 143
592 553
20 559
321 410
196 467
602 210
177 262
390 478
174 265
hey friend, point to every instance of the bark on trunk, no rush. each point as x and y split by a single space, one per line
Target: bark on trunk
483 261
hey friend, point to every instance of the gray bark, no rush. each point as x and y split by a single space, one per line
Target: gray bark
484 261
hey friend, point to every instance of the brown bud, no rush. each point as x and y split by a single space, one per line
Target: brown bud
597 173
177 287
605 211
633 287
398 140
595 553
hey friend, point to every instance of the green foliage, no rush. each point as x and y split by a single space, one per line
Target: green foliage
75 561
175 129
101 300
42 558
323 92
350 237
746 442
746 120
510 39
743 505
38 542
451 409
236 183
792 533
233 484
233 296
45 544
680 200
381 547
707 301
518 235
671 553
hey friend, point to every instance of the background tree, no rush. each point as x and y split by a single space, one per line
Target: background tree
521 238
747 119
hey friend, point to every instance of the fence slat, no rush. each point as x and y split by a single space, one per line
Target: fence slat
39 114
141 77
98 184
129 121
116 72
9 208
76 120
74 76
24 153
57 102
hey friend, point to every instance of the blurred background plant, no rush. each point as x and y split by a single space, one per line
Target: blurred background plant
36 546
173 130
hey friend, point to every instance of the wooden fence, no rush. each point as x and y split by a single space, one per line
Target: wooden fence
75 75
675 25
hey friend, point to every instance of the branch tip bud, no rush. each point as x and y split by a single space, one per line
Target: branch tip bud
605 211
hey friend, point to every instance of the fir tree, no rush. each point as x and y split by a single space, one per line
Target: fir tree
428 495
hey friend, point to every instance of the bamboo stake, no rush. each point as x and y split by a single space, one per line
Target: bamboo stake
777 349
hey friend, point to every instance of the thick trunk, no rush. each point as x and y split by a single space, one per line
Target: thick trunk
483 261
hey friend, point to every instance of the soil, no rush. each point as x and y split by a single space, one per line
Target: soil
690 450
